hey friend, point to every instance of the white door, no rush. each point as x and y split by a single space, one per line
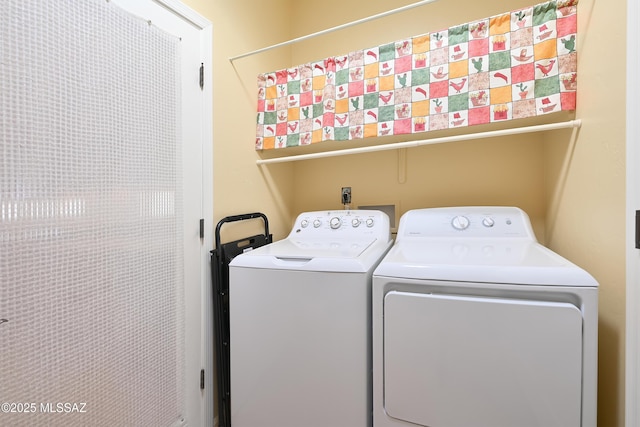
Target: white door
106 172
632 394
477 361
195 34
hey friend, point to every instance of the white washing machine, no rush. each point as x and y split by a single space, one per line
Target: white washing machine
475 324
300 323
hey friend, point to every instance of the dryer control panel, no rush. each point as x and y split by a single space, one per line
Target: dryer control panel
468 222
343 223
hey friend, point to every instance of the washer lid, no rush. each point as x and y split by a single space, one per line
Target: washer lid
510 261
328 255
314 248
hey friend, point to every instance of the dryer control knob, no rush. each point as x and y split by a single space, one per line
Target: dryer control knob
355 222
335 222
369 222
304 223
488 222
317 223
460 222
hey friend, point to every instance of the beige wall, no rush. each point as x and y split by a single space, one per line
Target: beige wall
573 188
498 172
586 188
240 186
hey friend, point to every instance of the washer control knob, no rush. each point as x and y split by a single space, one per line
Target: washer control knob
460 222
488 222
335 222
317 223
355 222
304 223
369 222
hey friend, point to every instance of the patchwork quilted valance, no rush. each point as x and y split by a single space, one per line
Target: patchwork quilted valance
515 65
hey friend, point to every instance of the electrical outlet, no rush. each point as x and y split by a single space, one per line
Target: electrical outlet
346 195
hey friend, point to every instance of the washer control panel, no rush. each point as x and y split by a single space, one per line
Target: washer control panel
346 223
468 222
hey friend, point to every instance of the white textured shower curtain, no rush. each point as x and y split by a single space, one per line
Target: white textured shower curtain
91 241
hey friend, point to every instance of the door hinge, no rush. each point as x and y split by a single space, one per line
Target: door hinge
637 229
201 379
202 228
201 76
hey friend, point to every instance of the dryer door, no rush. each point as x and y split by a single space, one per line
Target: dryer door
475 361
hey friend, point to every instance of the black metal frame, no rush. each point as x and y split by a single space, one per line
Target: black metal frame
221 256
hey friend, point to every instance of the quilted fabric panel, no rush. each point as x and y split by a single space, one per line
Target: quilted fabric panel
509 66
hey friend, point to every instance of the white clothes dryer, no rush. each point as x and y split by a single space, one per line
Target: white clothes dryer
300 323
476 324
